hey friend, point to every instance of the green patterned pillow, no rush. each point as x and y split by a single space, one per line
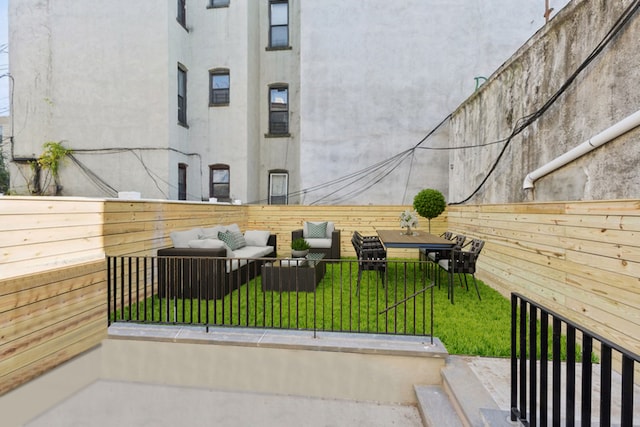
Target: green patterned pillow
233 239
317 230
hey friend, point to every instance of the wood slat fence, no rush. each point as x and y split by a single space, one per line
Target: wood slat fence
581 258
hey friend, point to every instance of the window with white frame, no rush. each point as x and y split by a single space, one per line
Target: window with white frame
278 187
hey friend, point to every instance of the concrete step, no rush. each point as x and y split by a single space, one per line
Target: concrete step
476 407
435 407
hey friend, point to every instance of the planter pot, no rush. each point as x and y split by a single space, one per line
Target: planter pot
299 254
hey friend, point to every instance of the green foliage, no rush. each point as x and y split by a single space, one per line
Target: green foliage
52 156
300 244
429 203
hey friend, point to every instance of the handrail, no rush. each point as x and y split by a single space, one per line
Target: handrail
530 393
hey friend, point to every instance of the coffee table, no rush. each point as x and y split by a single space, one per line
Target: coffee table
293 274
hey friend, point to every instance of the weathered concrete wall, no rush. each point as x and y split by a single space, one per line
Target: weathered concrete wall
84 79
364 85
377 81
604 93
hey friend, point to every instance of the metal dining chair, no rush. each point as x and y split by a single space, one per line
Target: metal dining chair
372 256
462 262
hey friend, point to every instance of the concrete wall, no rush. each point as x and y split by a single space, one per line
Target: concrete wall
378 76
280 66
602 94
364 85
363 369
94 83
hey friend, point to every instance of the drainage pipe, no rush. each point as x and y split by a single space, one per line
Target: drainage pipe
602 138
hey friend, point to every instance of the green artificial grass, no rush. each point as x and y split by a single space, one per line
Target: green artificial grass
468 327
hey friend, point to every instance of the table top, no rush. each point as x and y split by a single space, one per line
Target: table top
311 260
419 239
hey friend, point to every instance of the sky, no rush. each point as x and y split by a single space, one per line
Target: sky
4 59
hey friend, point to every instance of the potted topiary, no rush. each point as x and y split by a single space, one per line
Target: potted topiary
299 248
429 203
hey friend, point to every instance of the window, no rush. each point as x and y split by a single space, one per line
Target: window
182 181
182 95
182 13
219 182
218 3
279 23
278 188
279 110
219 87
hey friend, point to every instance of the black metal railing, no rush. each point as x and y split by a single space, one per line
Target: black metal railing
537 399
212 291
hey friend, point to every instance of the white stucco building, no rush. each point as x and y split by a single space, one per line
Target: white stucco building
267 101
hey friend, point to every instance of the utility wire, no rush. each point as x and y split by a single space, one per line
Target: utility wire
378 170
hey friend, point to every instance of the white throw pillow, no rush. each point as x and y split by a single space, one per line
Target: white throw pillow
207 244
330 228
211 232
233 227
181 239
256 237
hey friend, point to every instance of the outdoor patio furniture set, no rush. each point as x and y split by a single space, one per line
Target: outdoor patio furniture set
209 263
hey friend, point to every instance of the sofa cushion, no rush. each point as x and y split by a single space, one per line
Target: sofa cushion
233 239
207 243
256 237
211 232
252 252
319 243
180 239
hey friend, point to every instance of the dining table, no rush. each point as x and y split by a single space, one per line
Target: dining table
416 240
420 240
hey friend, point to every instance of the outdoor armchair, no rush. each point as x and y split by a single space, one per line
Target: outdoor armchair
322 236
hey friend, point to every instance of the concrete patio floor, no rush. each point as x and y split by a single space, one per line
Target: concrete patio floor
109 403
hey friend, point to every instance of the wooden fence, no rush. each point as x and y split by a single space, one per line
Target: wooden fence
53 268
580 258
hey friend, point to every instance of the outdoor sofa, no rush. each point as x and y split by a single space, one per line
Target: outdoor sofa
209 263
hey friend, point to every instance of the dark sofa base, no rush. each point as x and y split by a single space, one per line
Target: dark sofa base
202 273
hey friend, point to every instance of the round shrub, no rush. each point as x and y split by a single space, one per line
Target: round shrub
429 203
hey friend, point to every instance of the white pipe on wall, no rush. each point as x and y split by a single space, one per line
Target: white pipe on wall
602 138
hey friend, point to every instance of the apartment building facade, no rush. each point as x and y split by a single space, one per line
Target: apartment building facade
261 101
